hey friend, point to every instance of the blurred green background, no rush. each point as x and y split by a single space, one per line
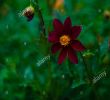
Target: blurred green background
22 47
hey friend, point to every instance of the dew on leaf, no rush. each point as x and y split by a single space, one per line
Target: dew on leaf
99 10
63 76
6 92
25 43
7 26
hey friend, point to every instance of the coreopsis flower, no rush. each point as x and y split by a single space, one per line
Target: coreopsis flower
64 39
29 13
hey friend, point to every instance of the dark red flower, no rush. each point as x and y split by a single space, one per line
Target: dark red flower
29 13
64 38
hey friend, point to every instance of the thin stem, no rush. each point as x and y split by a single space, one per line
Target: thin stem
90 77
49 6
37 8
70 68
109 44
89 73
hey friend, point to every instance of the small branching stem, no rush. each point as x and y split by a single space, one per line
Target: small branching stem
38 10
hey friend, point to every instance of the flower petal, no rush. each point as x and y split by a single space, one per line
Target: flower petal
55 47
53 37
72 56
77 45
62 55
76 31
67 23
58 26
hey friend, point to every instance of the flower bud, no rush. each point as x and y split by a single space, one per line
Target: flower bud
107 14
88 54
29 13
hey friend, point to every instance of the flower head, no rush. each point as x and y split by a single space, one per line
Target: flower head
64 39
29 13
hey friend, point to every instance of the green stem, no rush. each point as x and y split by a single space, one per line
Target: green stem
70 69
37 8
49 6
88 71
90 77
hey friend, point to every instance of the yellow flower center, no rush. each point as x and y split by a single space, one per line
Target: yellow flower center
64 40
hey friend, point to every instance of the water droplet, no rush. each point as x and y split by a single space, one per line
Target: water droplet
99 10
24 85
7 59
38 64
28 73
25 43
81 92
7 26
43 92
39 8
63 76
6 92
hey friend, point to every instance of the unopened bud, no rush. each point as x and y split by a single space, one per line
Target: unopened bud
29 13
